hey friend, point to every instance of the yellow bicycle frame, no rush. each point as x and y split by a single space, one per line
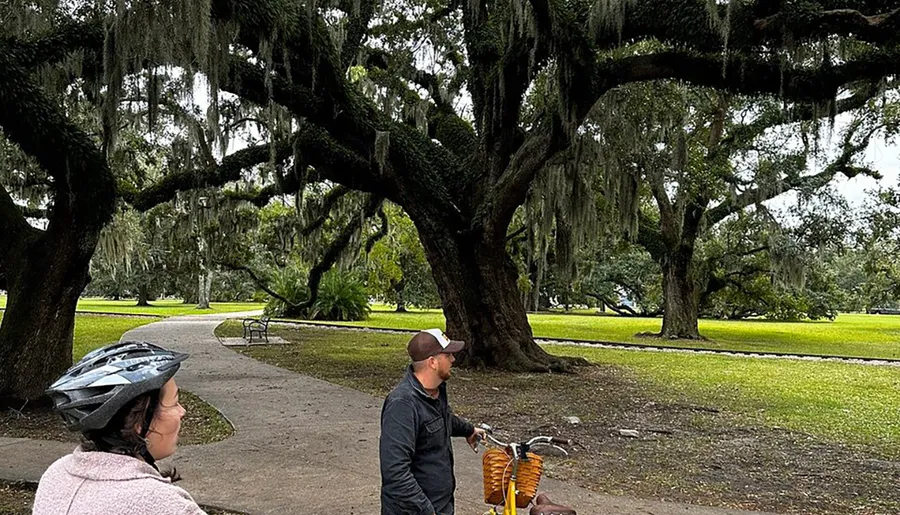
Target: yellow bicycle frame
509 507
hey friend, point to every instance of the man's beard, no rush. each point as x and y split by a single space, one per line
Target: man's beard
444 375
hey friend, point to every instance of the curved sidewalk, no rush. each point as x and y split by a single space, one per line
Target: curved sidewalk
301 445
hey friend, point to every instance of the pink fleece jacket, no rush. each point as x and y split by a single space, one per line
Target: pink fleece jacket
101 483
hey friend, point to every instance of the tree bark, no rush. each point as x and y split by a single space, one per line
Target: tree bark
45 282
204 287
204 275
481 302
143 295
680 319
399 286
45 272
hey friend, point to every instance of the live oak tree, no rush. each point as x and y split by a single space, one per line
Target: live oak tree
337 78
704 156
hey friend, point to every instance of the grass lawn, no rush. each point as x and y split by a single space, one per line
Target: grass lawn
93 331
164 308
857 335
778 435
856 404
203 424
846 403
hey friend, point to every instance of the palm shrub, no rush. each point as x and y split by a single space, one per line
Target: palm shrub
342 296
289 283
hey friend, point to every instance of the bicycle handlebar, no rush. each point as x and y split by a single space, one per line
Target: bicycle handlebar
536 440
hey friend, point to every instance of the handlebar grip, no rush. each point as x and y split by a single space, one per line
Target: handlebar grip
561 441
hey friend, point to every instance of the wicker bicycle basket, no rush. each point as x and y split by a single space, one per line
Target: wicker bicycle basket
497 465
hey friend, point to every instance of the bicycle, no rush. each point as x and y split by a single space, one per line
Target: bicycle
512 474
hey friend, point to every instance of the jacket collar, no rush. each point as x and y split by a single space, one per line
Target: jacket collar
413 381
106 466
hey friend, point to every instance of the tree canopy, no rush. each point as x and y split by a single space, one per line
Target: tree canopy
450 110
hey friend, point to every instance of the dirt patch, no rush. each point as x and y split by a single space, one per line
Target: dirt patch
700 454
17 497
201 425
681 452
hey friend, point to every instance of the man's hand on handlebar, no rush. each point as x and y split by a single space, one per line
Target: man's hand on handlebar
476 436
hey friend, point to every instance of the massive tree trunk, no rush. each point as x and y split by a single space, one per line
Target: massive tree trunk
680 294
482 304
45 281
45 272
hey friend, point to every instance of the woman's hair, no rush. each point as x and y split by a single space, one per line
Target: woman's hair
119 436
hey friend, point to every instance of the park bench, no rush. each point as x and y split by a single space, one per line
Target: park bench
260 326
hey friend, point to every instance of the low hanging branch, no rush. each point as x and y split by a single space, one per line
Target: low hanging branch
336 248
331 199
381 233
259 281
332 253
619 309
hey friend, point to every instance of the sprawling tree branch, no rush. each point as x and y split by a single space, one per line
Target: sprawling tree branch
808 22
843 165
336 248
331 200
352 127
360 14
56 45
619 309
511 188
229 170
318 149
83 184
380 233
743 134
445 125
752 25
739 74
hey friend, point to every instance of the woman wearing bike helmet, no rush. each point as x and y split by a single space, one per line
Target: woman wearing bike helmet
124 402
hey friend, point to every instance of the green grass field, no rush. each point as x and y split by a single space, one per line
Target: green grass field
845 403
93 331
164 308
858 335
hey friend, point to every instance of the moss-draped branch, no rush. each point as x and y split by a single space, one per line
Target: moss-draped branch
84 189
843 164
319 93
56 45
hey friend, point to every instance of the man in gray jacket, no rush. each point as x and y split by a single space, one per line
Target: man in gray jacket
416 426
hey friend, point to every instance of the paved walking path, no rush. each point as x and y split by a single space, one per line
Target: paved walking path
301 445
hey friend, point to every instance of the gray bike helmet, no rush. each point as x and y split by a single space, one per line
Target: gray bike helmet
90 393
